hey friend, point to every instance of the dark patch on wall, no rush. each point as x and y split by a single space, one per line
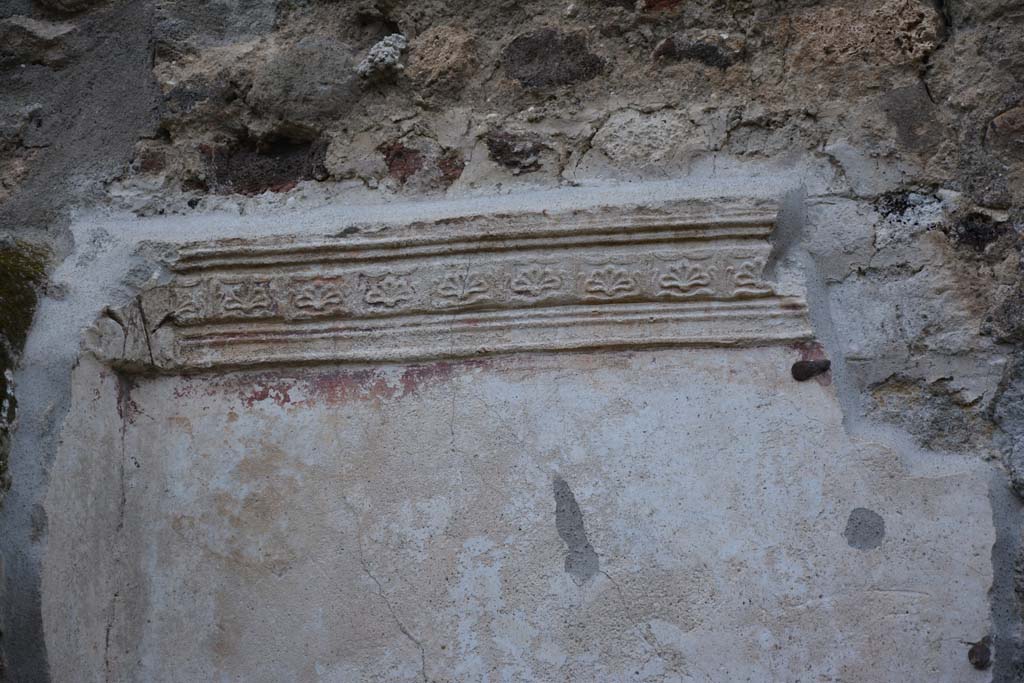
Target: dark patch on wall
897 203
706 53
660 5
451 165
520 153
865 529
548 57
581 561
402 162
68 6
252 167
39 523
977 230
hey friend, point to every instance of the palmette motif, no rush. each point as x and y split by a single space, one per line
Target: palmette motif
610 282
686 278
448 287
250 298
532 281
460 288
319 296
387 291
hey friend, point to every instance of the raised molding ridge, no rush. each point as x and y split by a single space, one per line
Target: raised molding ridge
493 284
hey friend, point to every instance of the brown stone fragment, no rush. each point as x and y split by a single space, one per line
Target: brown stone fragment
547 57
403 162
442 59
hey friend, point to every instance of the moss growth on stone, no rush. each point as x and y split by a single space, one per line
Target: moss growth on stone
22 271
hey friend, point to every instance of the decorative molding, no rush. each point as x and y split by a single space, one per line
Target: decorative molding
485 285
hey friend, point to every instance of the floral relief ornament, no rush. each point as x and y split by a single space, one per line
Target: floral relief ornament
388 290
247 297
610 282
188 302
686 278
458 287
746 277
319 295
534 281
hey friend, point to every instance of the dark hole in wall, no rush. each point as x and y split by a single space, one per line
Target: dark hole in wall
375 23
977 231
251 167
896 203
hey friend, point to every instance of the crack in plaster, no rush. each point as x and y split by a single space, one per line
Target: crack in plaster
394 615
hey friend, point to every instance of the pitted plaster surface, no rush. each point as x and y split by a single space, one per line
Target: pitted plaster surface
398 523
402 521
889 131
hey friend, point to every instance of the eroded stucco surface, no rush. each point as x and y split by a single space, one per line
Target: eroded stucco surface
887 134
613 516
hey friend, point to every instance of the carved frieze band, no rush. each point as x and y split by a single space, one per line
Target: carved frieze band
478 284
634 281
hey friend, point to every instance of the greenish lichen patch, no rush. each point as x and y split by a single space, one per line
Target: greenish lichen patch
22 272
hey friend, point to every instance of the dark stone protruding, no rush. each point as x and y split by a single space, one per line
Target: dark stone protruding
980 654
804 370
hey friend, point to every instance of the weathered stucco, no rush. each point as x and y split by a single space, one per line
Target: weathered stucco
411 523
149 145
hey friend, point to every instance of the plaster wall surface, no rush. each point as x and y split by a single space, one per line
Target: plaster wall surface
888 134
653 515
631 513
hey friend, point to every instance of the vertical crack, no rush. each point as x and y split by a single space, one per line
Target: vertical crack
394 615
145 328
106 640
